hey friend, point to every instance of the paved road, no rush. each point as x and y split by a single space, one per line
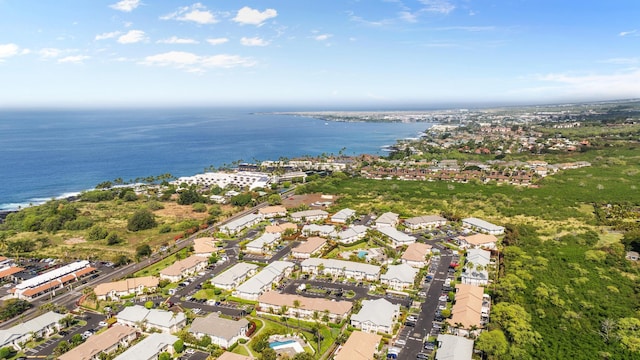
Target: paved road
415 335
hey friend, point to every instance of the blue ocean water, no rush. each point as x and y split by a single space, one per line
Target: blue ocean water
47 154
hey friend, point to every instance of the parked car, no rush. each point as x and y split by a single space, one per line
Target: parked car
103 323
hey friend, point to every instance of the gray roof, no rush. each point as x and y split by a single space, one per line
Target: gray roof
387 218
342 264
329 230
152 317
213 325
343 215
241 222
352 231
479 223
451 347
309 213
149 348
396 235
426 219
33 325
264 239
229 276
403 272
478 257
256 284
379 312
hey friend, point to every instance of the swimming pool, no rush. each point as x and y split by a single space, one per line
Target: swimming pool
281 343
362 254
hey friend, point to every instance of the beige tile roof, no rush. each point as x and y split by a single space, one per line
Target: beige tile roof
312 244
416 252
467 309
231 356
480 239
280 228
312 304
204 245
9 271
272 210
98 343
359 346
178 267
126 285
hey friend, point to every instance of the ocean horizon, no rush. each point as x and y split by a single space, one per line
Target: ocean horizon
48 154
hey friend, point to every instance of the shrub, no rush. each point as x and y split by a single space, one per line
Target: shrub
113 239
141 220
199 207
166 228
96 233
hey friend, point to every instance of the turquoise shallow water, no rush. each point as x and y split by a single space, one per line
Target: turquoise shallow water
46 154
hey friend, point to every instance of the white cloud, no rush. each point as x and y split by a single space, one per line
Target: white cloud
254 41
196 13
125 5
618 85
250 16
74 59
629 33
322 37
408 16
177 40
50 52
195 63
107 35
132 37
8 50
622 61
437 6
217 41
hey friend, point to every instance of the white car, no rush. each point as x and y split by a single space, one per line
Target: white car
401 342
190 351
102 323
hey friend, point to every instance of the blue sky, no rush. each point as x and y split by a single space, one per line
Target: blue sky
323 53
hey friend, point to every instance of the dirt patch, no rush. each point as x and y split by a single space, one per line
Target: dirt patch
75 240
180 212
295 201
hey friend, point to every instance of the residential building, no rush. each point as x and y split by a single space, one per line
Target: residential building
43 326
387 219
263 243
477 241
398 238
376 316
223 332
312 246
451 347
309 215
475 269
343 216
242 179
416 255
270 212
107 342
231 278
237 225
359 346
425 222
52 280
272 302
150 347
262 281
319 230
466 313
335 267
281 228
184 268
352 234
399 277
142 318
482 226
115 290
204 246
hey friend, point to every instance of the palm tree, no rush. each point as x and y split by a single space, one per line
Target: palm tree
296 305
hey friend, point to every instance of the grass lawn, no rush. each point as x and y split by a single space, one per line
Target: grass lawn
155 268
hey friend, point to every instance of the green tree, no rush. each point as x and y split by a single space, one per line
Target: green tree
63 347
241 199
142 219
76 340
96 232
121 260
268 354
303 356
6 352
628 331
113 239
199 207
274 199
493 343
189 196
178 346
149 304
164 356
143 250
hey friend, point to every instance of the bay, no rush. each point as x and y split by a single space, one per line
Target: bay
47 154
